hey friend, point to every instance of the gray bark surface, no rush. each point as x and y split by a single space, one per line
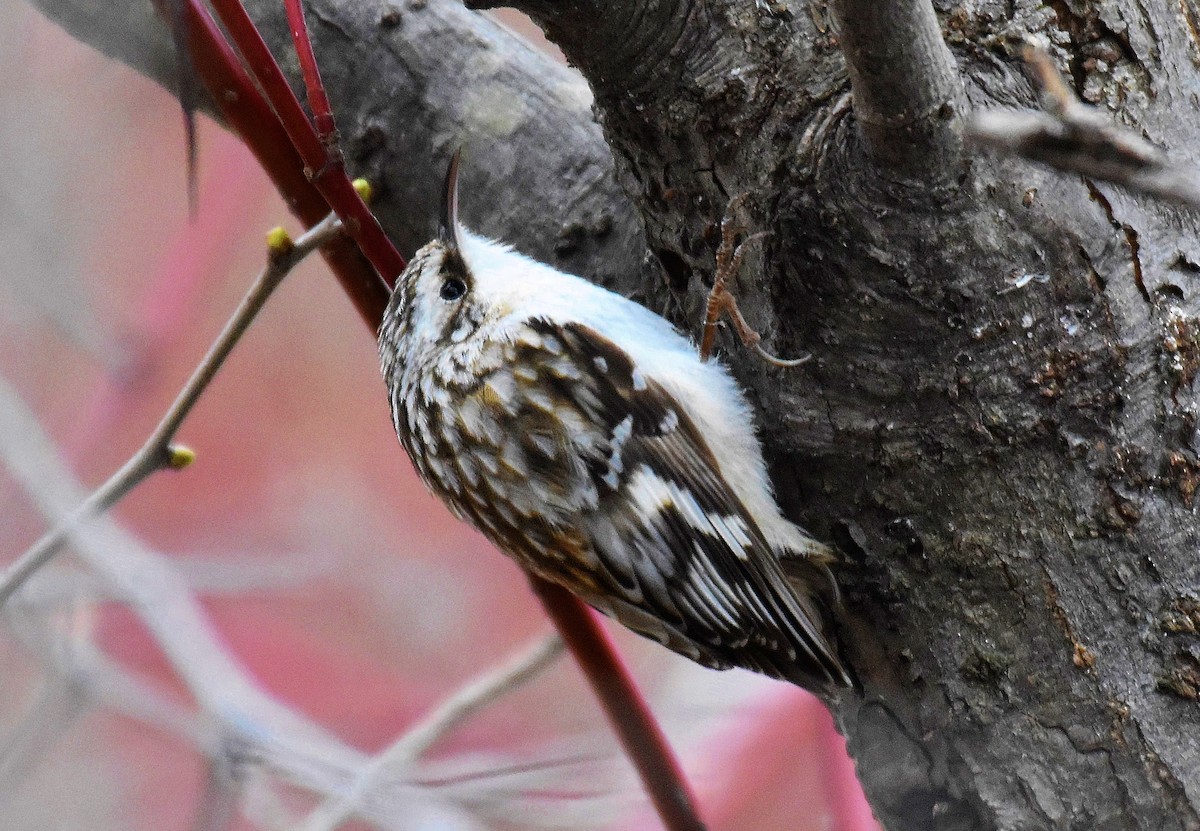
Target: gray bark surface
999 425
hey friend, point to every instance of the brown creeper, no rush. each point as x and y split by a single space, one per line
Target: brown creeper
584 436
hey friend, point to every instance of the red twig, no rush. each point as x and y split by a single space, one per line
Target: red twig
313 180
266 71
247 112
635 726
318 101
323 169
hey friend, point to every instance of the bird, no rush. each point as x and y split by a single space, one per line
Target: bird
585 437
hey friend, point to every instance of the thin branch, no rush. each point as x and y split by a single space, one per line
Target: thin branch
627 711
157 453
209 576
318 100
244 108
1071 136
906 85
463 704
237 711
324 169
488 688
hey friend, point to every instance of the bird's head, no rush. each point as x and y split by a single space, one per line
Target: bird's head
436 303
462 290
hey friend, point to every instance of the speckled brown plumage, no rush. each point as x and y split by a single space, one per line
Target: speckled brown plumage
586 439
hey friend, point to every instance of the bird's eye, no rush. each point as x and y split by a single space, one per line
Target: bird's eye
452 289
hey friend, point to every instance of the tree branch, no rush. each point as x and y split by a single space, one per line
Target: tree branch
238 720
1073 137
906 85
524 120
157 453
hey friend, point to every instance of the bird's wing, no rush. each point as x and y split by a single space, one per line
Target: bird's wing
682 558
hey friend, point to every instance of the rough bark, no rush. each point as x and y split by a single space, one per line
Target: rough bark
999 424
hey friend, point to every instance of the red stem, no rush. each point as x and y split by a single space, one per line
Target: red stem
323 169
628 712
266 71
248 113
289 149
318 101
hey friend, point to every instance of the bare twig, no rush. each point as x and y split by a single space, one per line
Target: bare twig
157 453
236 716
463 704
1072 136
475 696
232 703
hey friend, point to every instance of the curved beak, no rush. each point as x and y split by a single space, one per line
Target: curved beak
448 228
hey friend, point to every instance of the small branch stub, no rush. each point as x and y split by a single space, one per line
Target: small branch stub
906 86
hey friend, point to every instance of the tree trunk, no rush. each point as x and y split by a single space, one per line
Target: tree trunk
998 427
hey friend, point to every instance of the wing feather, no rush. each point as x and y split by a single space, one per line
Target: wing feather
684 561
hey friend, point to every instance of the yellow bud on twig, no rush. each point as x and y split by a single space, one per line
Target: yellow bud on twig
363 188
179 456
279 242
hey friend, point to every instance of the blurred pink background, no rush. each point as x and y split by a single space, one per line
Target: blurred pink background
340 585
